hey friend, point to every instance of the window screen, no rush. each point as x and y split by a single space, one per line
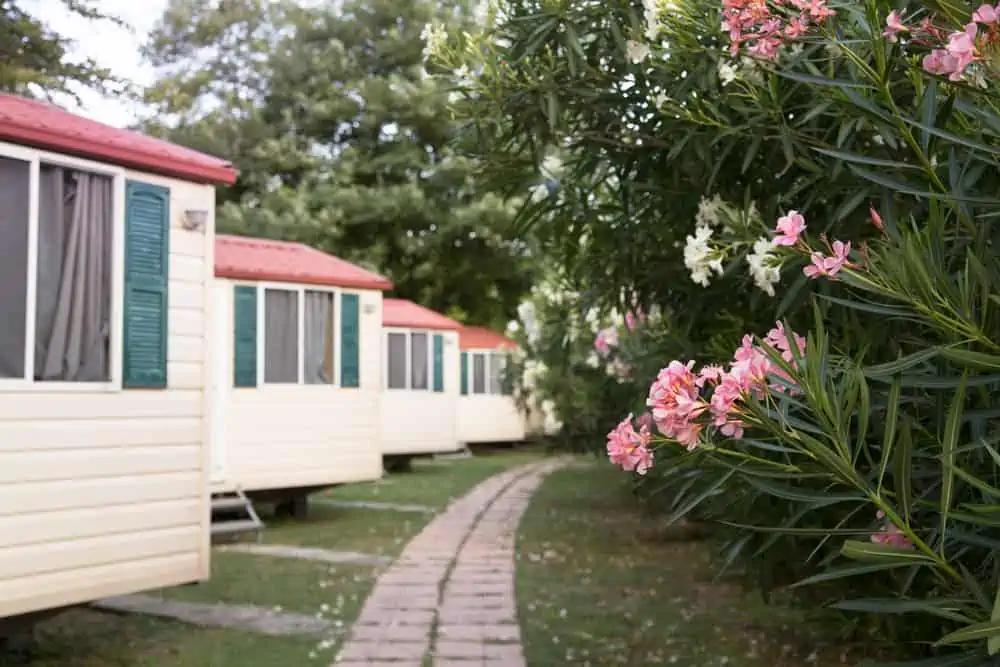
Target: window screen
479 374
318 338
281 336
497 363
397 361
418 360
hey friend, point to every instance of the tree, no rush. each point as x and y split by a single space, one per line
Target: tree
34 59
342 142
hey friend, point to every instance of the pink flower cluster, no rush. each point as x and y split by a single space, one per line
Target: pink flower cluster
629 448
606 340
961 49
765 26
890 535
683 403
788 229
828 265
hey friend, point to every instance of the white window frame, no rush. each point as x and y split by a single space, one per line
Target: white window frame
35 158
408 332
487 366
338 348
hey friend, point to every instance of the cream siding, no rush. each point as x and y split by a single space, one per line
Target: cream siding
422 421
488 417
103 491
287 436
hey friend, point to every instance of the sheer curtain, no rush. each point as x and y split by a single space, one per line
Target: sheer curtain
73 299
319 337
497 363
479 374
397 360
281 336
418 360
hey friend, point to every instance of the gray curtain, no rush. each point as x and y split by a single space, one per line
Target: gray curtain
418 360
15 176
319 338
281 336
73 302
479 374
397 361
497 362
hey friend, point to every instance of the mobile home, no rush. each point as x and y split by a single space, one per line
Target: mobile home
298 370
107 262
487 411
420 401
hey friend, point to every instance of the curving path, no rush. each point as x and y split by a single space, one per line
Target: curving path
450 595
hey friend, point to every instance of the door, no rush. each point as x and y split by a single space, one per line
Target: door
221 340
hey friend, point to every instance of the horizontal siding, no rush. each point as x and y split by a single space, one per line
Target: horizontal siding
56 589
87 552
77 464
87 522
489 419
28 435
103 492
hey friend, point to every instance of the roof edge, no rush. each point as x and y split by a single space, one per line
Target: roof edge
382 285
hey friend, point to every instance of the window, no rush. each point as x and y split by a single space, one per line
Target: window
319 338
281 336
479 374
418 361
497 363
69 293
397 360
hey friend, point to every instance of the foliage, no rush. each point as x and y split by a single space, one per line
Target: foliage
866 476
342 141
34 58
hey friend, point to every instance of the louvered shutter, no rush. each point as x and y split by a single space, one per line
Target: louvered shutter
349 341
244 336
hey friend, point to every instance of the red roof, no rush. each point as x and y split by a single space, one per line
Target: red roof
402 313
33 123
480 338
246 258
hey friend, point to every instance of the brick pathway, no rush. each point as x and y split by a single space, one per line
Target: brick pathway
450 594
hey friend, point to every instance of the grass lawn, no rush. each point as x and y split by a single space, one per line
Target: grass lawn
85 638
596 587
435 482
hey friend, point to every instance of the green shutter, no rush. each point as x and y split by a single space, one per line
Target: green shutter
349 341
438 363
147 261
465 373
244 336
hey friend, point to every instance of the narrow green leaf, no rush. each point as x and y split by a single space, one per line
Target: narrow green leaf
902 470
883 553
970 359
848 571
864 159
948 444
993 643
889 437
901 364
906 188
973 633
942 608
822 80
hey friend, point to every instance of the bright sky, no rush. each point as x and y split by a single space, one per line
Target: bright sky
109 45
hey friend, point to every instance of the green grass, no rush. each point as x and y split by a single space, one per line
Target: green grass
597 586
434 482
84 638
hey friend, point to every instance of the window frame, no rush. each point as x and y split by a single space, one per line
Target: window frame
35 158
487 354
300 290
408 332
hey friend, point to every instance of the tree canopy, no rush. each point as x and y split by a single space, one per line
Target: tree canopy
342 141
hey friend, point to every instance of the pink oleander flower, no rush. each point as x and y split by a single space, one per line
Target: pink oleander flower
876 218
752 22
633 320
645 421
710 373
628 448
958 54
890 535
828 266
789 228
986 15
894 25
606 340
674 399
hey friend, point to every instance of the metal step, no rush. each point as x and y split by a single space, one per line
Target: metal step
233 515
234 527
